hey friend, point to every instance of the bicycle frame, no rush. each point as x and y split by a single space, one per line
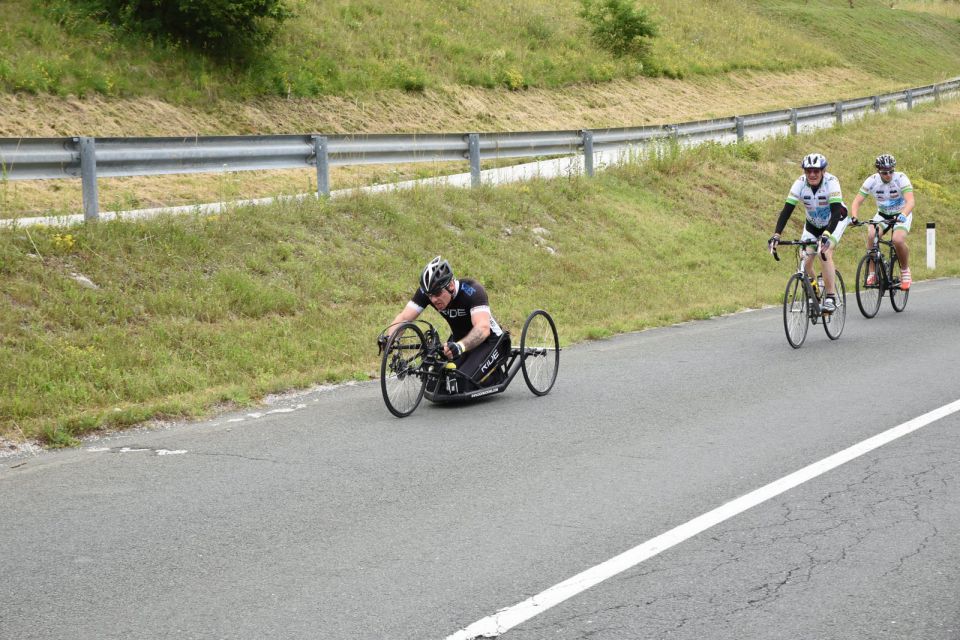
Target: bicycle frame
813 309
443 384
875 253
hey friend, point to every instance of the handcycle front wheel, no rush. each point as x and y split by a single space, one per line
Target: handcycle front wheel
898 297
869 295
833 324
539 352
795 311
402 379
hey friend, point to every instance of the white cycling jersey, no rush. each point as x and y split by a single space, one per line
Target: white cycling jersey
816 203
889 195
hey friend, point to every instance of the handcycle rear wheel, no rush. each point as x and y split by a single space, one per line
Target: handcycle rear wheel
539 352
795 311
869 295
401 370
898 297
833 324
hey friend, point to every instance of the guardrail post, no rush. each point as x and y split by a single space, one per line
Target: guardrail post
739 122
876 103
931 245
587 151
674 132
474 144
793 121
936 93
838 110
909 98
88 178
321 151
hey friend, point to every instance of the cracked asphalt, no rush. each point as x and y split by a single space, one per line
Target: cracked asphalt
326 517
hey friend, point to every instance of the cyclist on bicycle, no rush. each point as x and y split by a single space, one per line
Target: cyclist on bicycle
894 195
477 343
826 220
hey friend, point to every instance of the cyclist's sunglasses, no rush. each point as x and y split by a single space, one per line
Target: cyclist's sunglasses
813 170
886 173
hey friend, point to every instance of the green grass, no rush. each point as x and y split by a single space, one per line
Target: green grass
342 47
195 312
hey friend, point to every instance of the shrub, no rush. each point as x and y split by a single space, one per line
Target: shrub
618 26
222 28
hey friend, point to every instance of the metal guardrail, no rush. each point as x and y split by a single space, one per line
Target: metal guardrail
90 158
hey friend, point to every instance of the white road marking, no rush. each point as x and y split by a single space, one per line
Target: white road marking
167 452
506 619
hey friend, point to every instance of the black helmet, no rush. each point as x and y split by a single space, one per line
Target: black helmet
885 161
814 161
436 275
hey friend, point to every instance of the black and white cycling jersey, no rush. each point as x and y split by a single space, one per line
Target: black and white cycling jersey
469 297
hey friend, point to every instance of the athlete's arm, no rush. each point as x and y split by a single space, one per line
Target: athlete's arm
480 330
836 215
784 216
909 202
409 313
855 206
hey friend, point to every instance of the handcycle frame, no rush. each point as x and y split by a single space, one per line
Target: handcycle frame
429 365
883 268
811 300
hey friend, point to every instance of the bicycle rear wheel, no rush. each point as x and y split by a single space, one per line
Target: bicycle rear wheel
539 352
868 295
833 323
795 305
898 297
401 370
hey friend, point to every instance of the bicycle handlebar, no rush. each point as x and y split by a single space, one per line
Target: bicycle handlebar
789 243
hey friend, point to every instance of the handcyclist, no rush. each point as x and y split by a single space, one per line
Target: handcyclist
826 220
477 343
894 195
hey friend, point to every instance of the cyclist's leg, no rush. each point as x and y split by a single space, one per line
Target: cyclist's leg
829 269
871 265
900 231
809 253
486 354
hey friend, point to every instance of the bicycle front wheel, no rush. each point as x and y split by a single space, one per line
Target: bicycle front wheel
898 297
868 295
833 323
401 370
795 311
539 352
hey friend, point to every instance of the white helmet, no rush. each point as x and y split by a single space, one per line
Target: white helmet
436 275
814 161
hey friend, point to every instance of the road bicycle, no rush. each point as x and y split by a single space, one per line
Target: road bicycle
413 365
803 302
887 271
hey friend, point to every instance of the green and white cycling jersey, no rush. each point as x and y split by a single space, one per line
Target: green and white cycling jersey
889 195
816 202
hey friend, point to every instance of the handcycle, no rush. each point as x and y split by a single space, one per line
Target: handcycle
413 365
802 303
887 270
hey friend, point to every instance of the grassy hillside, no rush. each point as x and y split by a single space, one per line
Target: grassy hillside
341 47
188 313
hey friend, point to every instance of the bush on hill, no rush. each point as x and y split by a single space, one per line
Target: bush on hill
618 26
234 29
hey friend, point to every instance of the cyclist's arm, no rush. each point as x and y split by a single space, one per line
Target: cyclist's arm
836 215
480 330
409 313
784 216
855 206
909 202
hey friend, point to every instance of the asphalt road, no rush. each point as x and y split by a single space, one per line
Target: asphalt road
322 516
